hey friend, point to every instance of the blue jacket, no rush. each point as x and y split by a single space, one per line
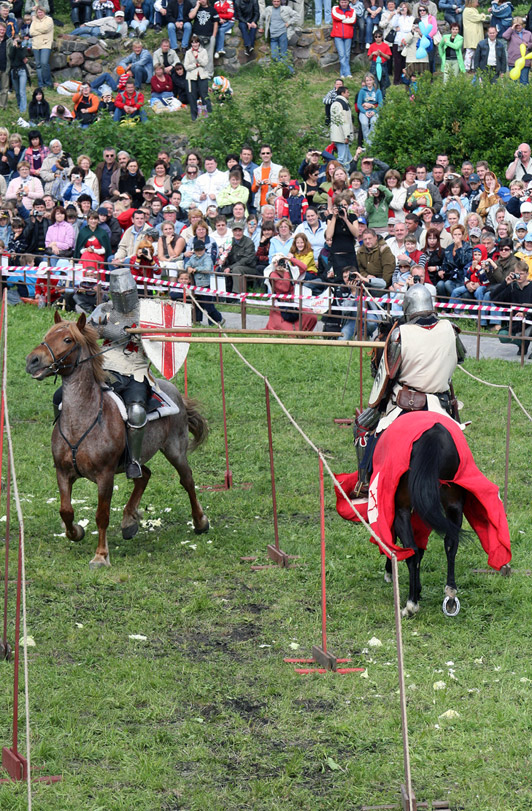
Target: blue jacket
454 266
501 16
144 59
448 5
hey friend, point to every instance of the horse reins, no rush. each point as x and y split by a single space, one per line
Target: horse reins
75 448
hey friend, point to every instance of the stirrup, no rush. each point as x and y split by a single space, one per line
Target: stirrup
361 489
133 470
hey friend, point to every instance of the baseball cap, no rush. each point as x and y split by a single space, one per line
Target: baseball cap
520 226
293 184
198 244
237 224
526 207
474 178
406 262
119 13
103 211
437 219
169 207
475 232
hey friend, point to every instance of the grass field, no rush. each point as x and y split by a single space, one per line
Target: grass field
204 714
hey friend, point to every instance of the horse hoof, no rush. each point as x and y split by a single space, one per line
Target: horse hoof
451 606
80 533
204 527
98 562
410 610
387 577
130 531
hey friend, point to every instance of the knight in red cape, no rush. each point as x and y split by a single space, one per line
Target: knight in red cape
414 374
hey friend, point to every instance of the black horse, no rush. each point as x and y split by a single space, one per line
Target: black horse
434 459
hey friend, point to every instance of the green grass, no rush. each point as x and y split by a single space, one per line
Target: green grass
205 714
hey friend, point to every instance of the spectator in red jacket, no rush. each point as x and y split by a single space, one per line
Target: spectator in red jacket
162 86
129 103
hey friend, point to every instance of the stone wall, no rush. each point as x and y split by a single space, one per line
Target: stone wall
86 57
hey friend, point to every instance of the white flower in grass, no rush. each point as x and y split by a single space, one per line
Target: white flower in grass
439 685
449 715
374 642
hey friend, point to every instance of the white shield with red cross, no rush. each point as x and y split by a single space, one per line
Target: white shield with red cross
167 357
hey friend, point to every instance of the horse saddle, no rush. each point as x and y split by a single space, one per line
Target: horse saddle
160 405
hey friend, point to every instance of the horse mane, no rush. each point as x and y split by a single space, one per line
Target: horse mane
88 339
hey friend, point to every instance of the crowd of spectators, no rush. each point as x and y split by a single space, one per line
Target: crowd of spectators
401 41
249 225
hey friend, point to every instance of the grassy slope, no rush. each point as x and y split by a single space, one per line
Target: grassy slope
205 714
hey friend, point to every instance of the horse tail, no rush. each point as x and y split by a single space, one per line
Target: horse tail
434 457
197 424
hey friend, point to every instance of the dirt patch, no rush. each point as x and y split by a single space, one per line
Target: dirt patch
245 708
314 705
241 633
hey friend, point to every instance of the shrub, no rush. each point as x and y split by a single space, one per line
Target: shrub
141 140
264 117
464 119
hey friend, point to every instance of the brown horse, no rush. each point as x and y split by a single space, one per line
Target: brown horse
89 439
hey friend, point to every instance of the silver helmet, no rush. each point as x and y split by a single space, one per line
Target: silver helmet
123 289
417 302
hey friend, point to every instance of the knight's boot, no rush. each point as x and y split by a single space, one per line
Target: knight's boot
136 424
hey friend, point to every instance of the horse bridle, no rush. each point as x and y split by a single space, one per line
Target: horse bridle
57 365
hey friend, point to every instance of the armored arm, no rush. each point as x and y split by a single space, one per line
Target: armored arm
387 369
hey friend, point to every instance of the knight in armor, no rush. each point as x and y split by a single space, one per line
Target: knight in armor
414 374
125 360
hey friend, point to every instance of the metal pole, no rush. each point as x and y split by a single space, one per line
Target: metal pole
507 455
477 355
6 568
347 372
227 330
243 301
228 474
17 645
360 333
323 582
272 470
185 363
252 340
402 691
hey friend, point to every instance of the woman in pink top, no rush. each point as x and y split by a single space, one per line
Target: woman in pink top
60 237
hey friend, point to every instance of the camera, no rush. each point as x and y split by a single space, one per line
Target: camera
519 153
417 279
282 263
513 276
352 276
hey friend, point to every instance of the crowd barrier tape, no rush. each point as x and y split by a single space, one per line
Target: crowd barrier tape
459 310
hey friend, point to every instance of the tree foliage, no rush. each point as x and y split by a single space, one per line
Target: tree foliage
264 117
141 140
466 120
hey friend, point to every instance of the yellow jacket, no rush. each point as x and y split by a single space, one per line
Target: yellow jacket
42 33
473 29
